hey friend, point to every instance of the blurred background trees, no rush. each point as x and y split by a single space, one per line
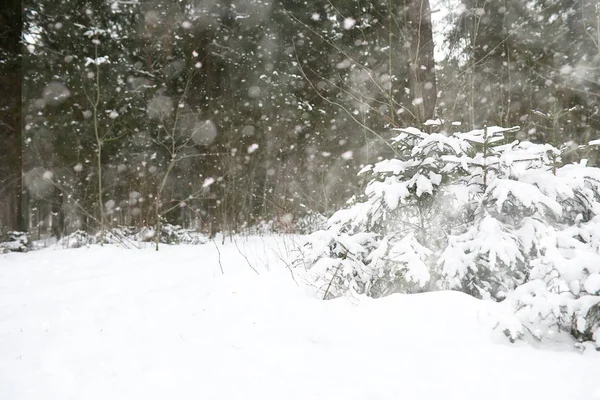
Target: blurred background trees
227 114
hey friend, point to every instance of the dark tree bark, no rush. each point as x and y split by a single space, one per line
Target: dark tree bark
422 76
10 114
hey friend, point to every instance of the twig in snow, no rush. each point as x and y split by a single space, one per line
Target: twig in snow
286 264
246 258
219 254
331 281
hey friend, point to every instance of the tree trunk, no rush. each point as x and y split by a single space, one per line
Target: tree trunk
422 77
10 118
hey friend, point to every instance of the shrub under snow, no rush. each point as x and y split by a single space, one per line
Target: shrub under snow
170 234
14 242
496 218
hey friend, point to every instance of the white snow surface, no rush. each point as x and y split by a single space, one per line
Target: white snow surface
112 323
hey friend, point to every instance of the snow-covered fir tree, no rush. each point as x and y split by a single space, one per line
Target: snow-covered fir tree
383 243
478 212
492 254
563 288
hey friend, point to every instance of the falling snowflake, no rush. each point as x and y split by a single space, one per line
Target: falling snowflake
252 148
347 155
349 23
566 69
208 182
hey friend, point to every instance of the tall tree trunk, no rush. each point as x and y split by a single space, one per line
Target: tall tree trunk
10 118
422 79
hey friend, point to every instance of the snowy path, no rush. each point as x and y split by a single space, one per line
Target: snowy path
109 323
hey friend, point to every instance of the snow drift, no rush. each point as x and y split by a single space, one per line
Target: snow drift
109 323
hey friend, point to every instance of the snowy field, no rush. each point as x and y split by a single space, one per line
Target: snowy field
110 323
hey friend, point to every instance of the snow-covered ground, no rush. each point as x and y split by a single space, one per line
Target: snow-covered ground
111 323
